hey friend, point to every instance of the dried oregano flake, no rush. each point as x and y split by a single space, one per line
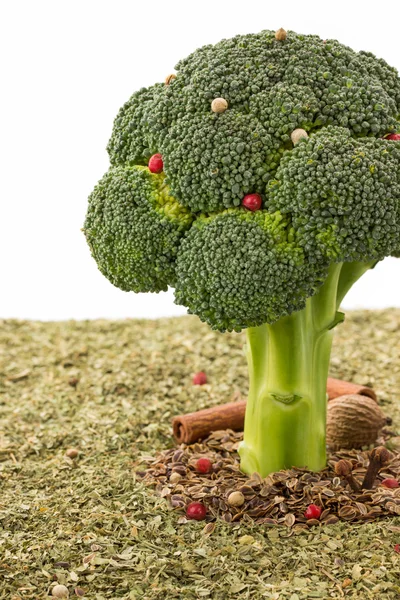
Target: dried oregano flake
90 524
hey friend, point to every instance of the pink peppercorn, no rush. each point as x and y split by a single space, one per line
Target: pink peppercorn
390 483
156 164
204 465
196 510
313 512
199 378
252 202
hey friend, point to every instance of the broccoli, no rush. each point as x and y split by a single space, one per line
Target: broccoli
239 269
134 228
261 182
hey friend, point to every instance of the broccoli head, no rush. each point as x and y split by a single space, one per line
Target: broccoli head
328 196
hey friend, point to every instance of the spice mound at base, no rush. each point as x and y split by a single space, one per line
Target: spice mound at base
282 498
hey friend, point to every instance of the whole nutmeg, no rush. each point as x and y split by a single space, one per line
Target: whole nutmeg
353 421
72 452
236 499
60 591
169 78
297 135
280 34
219 105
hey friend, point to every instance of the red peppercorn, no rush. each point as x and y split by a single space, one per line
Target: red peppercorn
393 136
204 465
397 548
252 202
199 378
313 512
196 510
390 483
156 164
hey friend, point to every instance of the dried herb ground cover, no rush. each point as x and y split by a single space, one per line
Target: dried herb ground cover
110 389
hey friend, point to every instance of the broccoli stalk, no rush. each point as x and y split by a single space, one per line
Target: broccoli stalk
285 422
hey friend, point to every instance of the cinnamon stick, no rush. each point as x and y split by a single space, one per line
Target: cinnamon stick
195 426
337 387
198 425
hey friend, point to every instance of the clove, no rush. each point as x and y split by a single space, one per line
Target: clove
343 468
378 458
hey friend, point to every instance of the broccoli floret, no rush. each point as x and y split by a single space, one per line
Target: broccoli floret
343 195
213 160
285 108
132 141
133 227
371 66
240 269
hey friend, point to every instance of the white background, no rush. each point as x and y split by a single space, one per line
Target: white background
66 68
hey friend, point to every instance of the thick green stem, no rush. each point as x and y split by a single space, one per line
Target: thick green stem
285 423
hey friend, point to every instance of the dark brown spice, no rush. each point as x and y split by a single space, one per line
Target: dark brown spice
344 468
378 458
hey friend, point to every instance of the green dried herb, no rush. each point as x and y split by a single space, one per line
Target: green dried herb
88 522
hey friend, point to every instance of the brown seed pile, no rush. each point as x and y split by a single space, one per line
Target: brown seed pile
279 499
